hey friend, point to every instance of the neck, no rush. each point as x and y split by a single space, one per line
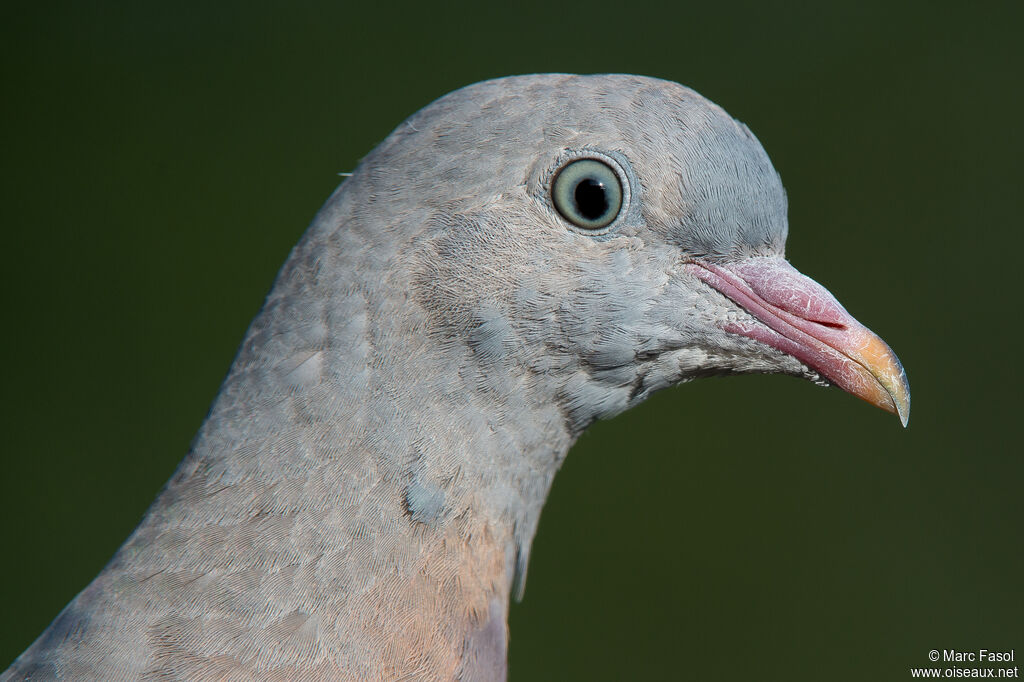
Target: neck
360 500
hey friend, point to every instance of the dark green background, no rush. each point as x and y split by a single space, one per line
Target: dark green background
160 159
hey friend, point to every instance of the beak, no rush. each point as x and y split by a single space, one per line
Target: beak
801 318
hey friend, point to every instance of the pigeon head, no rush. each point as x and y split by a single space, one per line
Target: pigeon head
516 260
596 238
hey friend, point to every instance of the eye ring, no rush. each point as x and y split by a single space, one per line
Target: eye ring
588 192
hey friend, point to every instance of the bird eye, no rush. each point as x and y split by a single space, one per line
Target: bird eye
588 193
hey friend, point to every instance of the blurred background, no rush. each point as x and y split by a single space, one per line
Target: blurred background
160 160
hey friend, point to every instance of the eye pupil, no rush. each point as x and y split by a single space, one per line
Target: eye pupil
591 198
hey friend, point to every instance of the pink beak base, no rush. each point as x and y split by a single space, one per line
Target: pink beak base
801 318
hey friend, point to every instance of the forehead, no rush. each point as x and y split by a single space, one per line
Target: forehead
707 183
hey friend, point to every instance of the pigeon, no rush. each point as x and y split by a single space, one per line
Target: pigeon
516 260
